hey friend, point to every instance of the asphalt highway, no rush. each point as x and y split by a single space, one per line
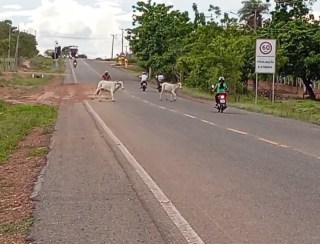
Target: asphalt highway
237 177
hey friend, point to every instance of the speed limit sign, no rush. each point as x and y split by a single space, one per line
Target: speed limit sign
265 48
265 56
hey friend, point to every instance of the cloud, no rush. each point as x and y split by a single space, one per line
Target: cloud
12 6
88 26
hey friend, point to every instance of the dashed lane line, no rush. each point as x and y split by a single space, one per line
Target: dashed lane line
190 116
268 141
232 129
237 131
207 122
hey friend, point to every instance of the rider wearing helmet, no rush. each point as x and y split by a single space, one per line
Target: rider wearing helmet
144 78
221 88
106 75
160 79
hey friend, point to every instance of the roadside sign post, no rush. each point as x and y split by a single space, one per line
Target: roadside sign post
265 62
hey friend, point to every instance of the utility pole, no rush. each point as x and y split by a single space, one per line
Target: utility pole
16 55
122 30
113 36
55 61
255 19
9 42
126 50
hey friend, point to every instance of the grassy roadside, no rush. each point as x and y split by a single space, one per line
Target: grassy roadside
44 64
16 121
301 109
25 131
16 80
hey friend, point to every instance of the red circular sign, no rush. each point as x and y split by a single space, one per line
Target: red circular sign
265 48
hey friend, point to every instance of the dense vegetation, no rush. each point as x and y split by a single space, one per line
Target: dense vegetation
27 42
200 50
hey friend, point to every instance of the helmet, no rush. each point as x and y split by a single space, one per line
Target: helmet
143 73
106 71
221 78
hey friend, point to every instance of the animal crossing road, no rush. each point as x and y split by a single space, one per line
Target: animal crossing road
237 177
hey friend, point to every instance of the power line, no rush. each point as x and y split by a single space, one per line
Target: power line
72 37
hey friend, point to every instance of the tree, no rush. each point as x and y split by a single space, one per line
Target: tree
27 42
287 10
300 41
157 29
252 11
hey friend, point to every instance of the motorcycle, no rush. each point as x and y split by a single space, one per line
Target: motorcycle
75 65
222 102
144 86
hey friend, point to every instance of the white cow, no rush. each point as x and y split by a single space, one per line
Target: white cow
109 86
168 87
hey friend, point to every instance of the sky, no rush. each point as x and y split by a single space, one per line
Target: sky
88 24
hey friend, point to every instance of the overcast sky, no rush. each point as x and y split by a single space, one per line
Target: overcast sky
87 23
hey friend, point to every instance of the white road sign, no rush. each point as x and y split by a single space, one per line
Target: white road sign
265 56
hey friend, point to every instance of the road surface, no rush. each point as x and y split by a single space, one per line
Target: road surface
237 177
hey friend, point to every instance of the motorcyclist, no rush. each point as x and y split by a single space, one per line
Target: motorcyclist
221 87
106 75
75 62
160 79
144 78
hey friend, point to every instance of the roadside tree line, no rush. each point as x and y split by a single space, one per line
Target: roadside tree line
199 50
27 42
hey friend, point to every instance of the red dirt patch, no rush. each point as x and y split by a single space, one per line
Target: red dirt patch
52 93
18 175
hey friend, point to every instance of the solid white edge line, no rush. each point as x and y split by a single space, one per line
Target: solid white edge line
184 227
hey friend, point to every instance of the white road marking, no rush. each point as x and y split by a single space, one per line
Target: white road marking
190 116
184 227
207 122
238 131
284 146
268 141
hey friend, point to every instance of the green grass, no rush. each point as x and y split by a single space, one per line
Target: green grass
15 228
133 68
301 109
44 64
197 93
16 121
305 110
26 81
